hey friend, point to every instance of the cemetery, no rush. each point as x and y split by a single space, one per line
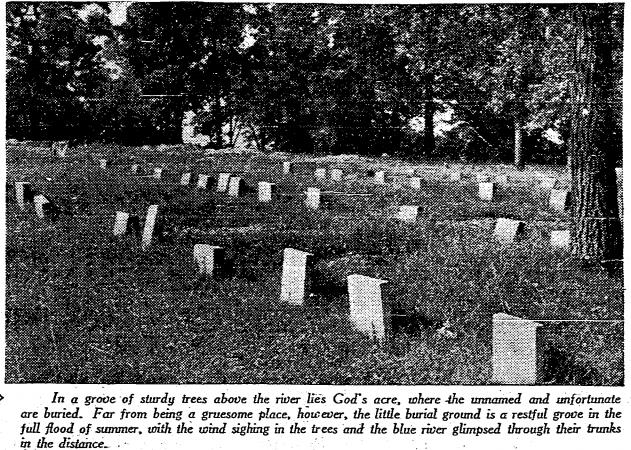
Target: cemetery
314 193
384 281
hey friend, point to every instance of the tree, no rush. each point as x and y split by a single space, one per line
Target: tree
595 133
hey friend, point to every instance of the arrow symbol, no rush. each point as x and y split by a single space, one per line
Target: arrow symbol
1 397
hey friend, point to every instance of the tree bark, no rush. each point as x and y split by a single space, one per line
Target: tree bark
518 147
595 228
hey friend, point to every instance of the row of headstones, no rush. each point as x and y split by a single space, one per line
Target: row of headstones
24 194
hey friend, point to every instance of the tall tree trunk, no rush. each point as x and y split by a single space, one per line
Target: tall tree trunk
596 231
218 121
518 147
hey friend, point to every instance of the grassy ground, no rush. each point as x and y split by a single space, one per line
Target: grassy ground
85 307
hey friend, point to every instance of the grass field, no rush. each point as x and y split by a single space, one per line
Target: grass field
86 307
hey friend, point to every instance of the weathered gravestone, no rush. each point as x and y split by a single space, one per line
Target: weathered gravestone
337 174
369 314
185 180
287 167
548 183
507 229
126 224
486 191
157 173
202 181
60 148
514 350
266 191
150 225
455 176
559 200
103 163
560 239
43 207
313 198
209 258
236 186
320 173
222 182
415 182
408 213
23 193
295 279
380 177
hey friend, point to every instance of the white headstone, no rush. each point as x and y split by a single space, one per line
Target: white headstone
320 173
150 223
559 199
380 177
287 167
157 173
103 163
120 224
514 350
222 182
560 239
202 181
134 169
313 198
415 182
337 174
40 209
408 213
208 258
186 179
60 148
369 314
455 176
548 183
266 191
507 229
294 277
486 191
235 186
23 193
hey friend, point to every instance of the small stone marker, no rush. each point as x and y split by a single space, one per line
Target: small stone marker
380 177
60 148
369 314
514 350
408 213
337 174
150 224
266 191
103 163
202 181
287 167
222 182
559 200
294 279
548 183
507 229
560 239
235 186
157 173
313 198
134 169
320 173
125 224
185 179
415 182
23 193
455 176
486 191
43 207
209 258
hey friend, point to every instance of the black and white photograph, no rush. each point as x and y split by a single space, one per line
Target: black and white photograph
313 194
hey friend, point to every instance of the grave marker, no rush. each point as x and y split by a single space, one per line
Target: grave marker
548 183
507 229
415 182
23 193
408 213
455 176
560 239
235 187
209 258
202 181
103 163
157 173
380 177
559 200
287 167
125 224
369 314
313 198
320 173
514 350
60 148
266 191
185 179
43 207
150 224
222 182
294 279
336 174
486 191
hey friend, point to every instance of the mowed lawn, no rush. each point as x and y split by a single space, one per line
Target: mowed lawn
86 307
